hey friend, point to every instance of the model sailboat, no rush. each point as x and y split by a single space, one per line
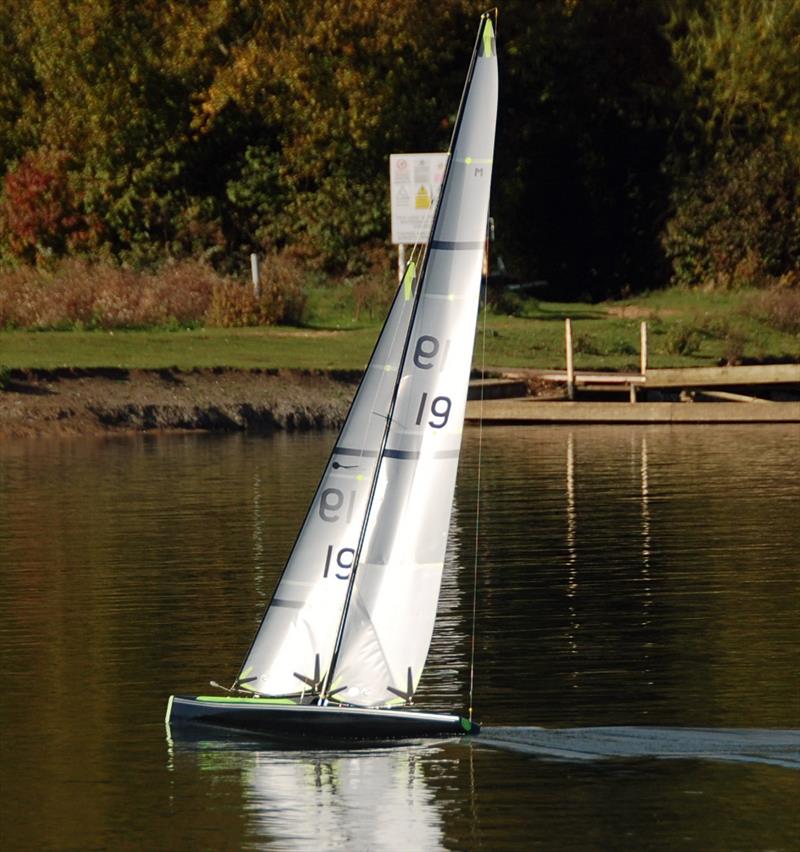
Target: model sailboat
342 645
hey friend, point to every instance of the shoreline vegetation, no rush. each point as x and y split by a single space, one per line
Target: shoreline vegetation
68 376
82 315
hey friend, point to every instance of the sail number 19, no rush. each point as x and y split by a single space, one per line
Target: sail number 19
426 349
440 409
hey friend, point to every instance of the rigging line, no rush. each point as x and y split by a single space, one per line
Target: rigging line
478 490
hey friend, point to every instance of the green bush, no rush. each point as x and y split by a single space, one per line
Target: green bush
506 302
739 224
622 347
585 344
682 339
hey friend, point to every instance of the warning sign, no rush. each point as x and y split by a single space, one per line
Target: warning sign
414 184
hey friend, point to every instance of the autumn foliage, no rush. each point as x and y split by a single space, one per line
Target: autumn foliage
41 214
146 133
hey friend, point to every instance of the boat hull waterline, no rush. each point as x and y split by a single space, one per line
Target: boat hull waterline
278 720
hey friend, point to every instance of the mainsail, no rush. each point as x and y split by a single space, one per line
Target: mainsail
353 613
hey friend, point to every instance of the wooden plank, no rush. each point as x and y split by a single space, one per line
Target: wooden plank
757 374
673 377
531 411
593 378
725 396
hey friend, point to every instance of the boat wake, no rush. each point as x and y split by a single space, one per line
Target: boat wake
778 747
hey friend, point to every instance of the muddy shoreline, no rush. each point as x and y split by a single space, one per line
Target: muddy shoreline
103 401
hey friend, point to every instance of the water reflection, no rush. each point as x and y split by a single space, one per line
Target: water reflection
614 553
368 799
626 576
572 551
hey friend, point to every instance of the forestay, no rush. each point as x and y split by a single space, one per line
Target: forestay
390 618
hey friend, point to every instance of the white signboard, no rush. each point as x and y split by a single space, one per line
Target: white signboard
414 183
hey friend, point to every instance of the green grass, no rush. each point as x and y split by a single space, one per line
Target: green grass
708 327
210 347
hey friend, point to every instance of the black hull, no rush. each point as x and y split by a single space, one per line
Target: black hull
295 723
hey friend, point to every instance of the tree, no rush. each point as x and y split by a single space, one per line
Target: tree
584 126
735 165
333 87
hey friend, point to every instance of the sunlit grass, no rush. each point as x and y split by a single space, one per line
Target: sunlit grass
684 328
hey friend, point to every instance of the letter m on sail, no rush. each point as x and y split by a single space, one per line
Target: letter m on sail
479 171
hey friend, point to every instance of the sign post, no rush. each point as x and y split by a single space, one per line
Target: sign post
414 184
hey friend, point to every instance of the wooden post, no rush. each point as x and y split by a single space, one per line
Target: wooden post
255 274
487 248
401 261
570 364
642 358
643 338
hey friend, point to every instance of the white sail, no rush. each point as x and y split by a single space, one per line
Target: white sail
392 607
295 641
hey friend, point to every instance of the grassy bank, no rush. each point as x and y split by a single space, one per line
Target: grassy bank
686 328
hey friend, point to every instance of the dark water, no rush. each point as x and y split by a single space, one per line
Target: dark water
626 576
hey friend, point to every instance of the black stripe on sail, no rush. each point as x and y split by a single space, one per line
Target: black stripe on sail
415 454
448 245
289 604
349 451
401 454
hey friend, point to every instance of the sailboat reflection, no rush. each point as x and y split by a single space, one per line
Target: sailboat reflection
376 799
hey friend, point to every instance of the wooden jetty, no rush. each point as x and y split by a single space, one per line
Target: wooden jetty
749 394
530 410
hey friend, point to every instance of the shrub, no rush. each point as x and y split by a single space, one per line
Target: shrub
778 307
506 302
41 214
734 347
233 305
682 339
373 294
80 294
585 344
283 298
622 347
